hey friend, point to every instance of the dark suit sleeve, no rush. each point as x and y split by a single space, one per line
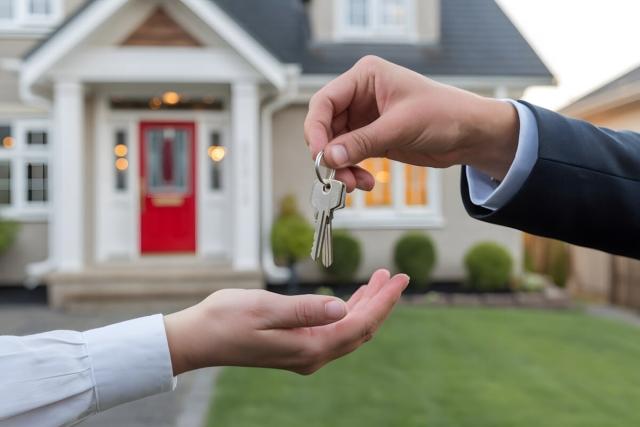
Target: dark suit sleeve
583 189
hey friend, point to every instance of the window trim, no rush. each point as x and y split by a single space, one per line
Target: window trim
24 22
400 215
19 156
375 32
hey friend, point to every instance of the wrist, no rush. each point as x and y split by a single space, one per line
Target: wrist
490 138
176 338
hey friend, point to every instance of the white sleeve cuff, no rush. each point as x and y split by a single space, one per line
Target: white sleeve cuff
485 192
130 360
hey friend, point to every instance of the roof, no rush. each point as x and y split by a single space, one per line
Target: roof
477 39
615 92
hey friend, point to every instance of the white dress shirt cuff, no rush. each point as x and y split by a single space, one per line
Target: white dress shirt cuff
490 194
130 360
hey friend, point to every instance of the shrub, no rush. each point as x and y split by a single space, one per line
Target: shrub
559 265
324 290
347 256
489 266
291 234
415 255
8 232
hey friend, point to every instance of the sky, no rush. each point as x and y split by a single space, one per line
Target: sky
585 43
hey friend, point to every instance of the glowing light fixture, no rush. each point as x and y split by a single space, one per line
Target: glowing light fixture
155 103
382 177
170 98
7 142
120 150
216 152
122 164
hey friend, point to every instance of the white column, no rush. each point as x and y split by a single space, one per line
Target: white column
245 105
501 92
67 177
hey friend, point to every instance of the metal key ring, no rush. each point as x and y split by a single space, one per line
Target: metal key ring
332 172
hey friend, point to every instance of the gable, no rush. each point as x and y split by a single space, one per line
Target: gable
160 29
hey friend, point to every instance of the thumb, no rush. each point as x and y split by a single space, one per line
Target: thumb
304 310
353 147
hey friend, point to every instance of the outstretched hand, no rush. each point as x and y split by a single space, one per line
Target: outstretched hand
263 329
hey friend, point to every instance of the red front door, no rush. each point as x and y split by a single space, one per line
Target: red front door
167 187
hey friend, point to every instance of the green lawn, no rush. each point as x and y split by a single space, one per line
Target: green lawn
454 367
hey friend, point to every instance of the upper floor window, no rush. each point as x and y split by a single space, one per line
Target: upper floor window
391 20
29 15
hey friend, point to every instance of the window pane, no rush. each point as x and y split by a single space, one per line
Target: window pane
6 9
381 171
37 182
40 7
120 151
6 139
216 152
393 13
416 186
37 137
5 183
167 161
358 13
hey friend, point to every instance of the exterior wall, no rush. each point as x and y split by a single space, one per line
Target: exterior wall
627 117
293 174
30 246
322 16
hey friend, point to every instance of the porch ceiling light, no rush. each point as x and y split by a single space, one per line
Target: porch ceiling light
382 177
7 142
170 98
217 153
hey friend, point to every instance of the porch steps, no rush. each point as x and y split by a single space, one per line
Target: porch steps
169 281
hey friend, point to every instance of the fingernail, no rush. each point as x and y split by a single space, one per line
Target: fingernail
339 155
335 309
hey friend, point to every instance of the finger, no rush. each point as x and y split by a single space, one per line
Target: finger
328 102
364 180
357 295
346 175
339 124
376 282
284 312
372 140
383 302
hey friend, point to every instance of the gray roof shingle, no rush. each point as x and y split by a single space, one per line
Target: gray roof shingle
477 39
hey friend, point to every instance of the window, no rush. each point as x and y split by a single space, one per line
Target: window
404 196
29 16
24 171
37 182
216 152
5 182
121 161
391 20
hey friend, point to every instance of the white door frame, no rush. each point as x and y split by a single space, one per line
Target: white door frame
115 209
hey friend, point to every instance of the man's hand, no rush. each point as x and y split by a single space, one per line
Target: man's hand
379 109
262 329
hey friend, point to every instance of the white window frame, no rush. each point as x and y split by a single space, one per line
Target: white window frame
399 215
24 22
375 32
19 156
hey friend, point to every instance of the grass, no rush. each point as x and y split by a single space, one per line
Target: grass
454 367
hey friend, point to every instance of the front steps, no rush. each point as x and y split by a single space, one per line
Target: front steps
183 283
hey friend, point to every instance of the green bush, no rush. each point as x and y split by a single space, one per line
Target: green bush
489 266
291 234
415 255
8 232
324 290
347 256
559 265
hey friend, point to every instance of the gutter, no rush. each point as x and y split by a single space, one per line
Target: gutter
274 273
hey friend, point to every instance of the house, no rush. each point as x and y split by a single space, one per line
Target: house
147 143
598 275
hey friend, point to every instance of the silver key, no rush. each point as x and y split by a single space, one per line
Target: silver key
325 198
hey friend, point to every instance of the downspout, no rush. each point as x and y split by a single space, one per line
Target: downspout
274 273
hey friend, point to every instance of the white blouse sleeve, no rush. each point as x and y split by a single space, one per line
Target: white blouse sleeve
59 378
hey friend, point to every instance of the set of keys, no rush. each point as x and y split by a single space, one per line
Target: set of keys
327 196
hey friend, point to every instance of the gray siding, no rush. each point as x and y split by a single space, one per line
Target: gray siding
293 174
30 246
